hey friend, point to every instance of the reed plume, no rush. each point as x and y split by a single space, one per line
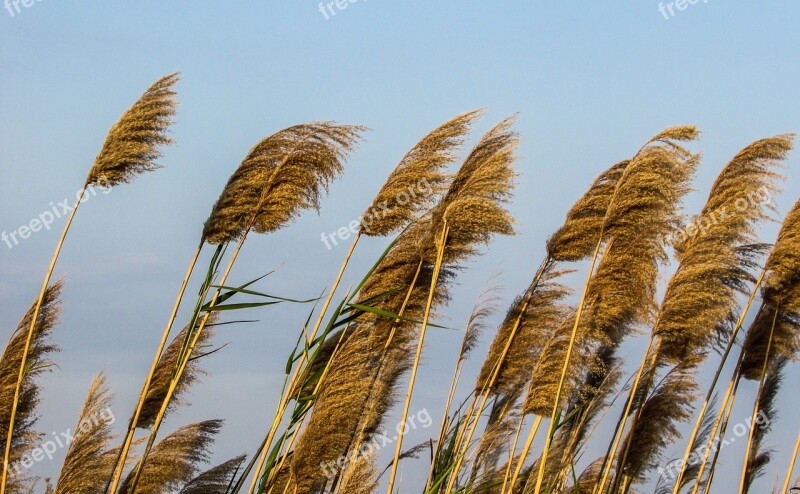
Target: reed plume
669 404
281 176
578 236
175 460
717 254
411 188
37 352
361 477
777 326
163 374
701 303
470 213
531 323
512 356
215 480
130 148
90 460
351 383
134 143
415 183
642 215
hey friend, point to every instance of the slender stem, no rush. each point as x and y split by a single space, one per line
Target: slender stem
627 446
713 436
181 368
296 431
284 401
791 466
473 416
758 401
357 438
562 379
486 391
710 393
513 450
623 419
31 331
445 418
431 293
722 431
525 450
123 452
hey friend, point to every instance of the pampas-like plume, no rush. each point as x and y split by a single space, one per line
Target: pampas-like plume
642 215
413 185
352 382
132 145
780 333
216 480
282 175
130 148
700 306
361 476
578 236
474 206
472 211
669 403
175 460
692 471
25 438
165 370
542 313
89 461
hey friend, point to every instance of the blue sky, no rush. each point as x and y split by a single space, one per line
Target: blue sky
590 81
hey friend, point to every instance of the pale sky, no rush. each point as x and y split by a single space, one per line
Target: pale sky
591 81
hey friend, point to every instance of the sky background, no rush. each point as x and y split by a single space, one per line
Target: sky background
591 81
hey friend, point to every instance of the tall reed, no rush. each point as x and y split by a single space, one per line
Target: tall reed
131 148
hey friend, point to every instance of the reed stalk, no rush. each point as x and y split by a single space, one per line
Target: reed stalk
421 339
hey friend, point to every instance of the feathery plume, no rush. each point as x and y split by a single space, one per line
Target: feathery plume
88 463
415 183
779 332
483 309
282 175
474 205
174 460
351 382
165 369
215 480
361 476
700 306
669 403
132 145
578 236
543 312
25 438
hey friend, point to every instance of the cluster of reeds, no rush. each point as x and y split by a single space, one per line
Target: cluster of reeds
553 369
